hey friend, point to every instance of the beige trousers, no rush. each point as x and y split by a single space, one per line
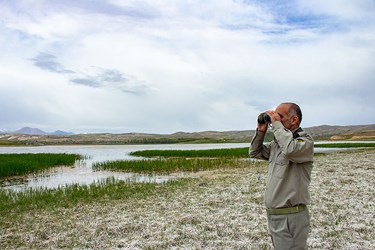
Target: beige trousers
289 231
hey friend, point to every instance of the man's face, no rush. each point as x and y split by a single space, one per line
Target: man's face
288 120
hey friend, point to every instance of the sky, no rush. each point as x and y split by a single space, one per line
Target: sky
163 66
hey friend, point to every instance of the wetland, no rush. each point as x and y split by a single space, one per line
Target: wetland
217 205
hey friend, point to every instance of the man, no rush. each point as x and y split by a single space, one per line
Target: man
290 156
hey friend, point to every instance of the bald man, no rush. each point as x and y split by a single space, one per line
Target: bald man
290 156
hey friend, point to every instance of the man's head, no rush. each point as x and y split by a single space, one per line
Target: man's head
291 115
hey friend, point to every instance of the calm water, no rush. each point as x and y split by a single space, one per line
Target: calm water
82 172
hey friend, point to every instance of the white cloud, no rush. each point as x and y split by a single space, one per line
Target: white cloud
166 66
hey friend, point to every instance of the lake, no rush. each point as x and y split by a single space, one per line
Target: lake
82 172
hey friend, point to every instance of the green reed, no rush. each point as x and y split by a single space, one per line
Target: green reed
221 152
13 203
169 165
21 164
346 145
230 152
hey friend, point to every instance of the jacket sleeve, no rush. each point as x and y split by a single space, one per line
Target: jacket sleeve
299 150
257 149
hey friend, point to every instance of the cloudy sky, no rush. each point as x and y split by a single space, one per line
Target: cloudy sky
162 66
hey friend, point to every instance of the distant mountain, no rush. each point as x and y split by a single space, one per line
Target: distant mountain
29 131
60 132
36 131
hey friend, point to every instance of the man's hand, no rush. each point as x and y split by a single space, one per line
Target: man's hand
274 116
262 127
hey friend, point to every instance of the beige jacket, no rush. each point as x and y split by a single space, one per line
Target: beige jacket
290 163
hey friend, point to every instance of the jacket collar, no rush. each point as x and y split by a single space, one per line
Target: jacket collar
296 132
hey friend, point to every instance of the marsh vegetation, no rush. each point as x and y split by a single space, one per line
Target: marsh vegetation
21 164
220 152
217 203
346 145
166 166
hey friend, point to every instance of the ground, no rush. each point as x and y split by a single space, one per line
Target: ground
220 209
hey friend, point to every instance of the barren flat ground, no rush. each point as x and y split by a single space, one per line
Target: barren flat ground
221 209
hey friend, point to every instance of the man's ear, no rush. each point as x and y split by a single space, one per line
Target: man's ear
295 120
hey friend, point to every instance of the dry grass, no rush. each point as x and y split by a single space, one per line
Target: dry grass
221 209
343 194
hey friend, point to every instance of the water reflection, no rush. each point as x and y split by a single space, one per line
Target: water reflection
62 176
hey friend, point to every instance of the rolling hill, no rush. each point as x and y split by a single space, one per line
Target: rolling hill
33 136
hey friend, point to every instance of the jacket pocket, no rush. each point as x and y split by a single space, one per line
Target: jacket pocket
281 166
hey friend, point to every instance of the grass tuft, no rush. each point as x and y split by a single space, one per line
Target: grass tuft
21 164
69 196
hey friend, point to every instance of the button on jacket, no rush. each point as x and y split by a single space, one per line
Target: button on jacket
290 159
